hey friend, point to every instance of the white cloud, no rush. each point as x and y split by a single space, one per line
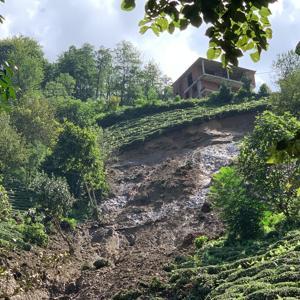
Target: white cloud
57 24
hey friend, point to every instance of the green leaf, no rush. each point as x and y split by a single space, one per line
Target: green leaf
265 12
171 28
143 29
128 5
255 56
213 53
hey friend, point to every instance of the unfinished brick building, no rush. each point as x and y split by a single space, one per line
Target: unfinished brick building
205 76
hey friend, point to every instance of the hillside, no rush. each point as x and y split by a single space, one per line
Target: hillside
267 269
159 175
136 130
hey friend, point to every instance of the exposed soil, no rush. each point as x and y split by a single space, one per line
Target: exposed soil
158 205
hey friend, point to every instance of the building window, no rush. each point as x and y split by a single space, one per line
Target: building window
190 79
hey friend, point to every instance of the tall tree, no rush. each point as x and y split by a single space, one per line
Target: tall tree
80 64
104 72
286 63
152 80
27 55
127 68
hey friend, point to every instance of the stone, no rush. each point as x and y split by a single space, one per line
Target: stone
101 263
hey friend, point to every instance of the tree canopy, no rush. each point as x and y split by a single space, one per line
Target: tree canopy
235 26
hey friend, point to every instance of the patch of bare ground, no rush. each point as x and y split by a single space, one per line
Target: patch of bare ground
158 205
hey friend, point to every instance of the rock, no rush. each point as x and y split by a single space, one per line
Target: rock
206 207
101 263
71 288
101 234
86 266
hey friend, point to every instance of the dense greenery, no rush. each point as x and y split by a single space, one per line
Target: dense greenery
131 132
229 195
264 269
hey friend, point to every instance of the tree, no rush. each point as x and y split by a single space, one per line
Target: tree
34 119
78 158
288 99
27 55
67 81
236 26
151 80
14 152
53 197
127 69
104 73
240 213
5 205
264 91
286 64
274 184
80 64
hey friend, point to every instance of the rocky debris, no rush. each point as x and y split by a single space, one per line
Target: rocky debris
157 206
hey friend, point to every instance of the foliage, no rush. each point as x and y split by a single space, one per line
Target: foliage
275 185
245 92
264 91
240 213
259 269
127 70
286 64
271 221
223 96
80 113
132 132
72 223
127 113
289 97
27 55
35 234
200 241
34 119
80 64
52 195
5 206
7 92
14 153
78 158
236 27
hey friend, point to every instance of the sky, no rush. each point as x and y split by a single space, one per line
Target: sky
58 24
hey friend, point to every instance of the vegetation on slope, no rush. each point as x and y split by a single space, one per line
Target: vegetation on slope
132 132
252 270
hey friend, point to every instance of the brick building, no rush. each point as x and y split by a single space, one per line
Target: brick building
205 76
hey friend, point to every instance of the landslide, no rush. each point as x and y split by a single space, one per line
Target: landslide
156 208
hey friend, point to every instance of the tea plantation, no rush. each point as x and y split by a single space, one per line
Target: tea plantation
137 130
253 270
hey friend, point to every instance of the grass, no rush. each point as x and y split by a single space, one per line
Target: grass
256 270
126 134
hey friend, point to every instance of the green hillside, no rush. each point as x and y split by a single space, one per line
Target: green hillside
137 130
253 270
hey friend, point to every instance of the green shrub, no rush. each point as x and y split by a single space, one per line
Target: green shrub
5 206
241 214
52 195
35 234
200 241
271 221
70 222
275 184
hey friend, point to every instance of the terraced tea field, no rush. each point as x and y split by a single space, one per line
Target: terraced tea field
129 133
257 270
